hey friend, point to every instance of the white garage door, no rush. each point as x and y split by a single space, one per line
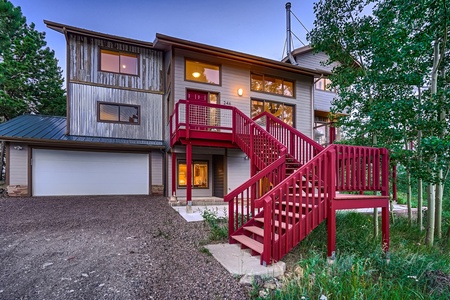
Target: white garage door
57 172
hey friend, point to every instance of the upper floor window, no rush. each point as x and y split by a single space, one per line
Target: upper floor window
118 113
202 72
272 85
283 111
323 84
118 62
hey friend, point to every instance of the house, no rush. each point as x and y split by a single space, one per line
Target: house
176 117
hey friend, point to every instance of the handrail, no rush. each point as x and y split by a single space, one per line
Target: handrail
301 147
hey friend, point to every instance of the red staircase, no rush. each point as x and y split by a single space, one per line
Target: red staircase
295 183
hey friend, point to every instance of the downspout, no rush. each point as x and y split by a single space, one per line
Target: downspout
289 35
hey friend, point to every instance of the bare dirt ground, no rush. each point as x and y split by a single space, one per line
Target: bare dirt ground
120 247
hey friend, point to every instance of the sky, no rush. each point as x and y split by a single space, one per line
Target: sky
256 27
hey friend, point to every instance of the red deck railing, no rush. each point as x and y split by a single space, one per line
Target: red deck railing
312 188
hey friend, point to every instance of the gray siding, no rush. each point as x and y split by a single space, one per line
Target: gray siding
314 61
236 76
238 169
84 65
18 168
157 168
322 100
83 111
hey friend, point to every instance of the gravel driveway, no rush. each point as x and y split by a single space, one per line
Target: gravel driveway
112 247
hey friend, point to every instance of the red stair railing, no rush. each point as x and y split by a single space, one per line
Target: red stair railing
299 146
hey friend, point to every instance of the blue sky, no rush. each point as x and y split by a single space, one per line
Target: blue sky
255 27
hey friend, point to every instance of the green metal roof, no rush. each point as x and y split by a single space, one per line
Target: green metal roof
37 128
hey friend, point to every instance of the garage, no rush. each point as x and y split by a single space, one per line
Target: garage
63 172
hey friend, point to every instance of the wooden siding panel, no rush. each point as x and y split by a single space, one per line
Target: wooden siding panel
322 100
157 168
314 61
18 169
238 169
83 120
236 76
84 63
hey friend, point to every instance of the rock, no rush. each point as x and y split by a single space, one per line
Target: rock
46 265
101 285
323 297
270 285
263 293
247 280
84 275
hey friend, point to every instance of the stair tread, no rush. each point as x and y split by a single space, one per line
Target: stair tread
249 242
283 225
298 204
257 230
290 214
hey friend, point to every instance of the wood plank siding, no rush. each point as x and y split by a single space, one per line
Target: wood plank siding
323 99
18 175
83 110
237 75
157 168
84 65
314 61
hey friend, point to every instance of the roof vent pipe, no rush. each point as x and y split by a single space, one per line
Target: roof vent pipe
289 34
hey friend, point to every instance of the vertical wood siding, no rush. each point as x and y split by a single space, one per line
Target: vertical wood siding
18 169
84 65
83 110
157 168
238 169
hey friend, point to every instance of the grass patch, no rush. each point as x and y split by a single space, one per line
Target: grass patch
360 270
218 225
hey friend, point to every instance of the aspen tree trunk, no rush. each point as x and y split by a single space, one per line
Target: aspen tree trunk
431 187
408 191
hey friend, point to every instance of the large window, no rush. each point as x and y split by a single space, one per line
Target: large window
202 72
282 111
118 113
118 62
323 84
272 85
200 178
322 128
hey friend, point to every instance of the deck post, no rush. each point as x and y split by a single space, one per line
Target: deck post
189 173
174 172
331 219
385 228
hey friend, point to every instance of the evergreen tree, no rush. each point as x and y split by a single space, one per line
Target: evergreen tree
30 79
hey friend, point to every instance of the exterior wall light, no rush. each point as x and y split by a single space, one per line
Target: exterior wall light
240 92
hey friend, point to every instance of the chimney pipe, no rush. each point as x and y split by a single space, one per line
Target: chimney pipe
289 34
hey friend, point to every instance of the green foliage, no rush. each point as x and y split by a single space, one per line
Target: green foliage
218 225
30 80
360 270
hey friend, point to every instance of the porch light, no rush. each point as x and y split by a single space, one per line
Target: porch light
240 92
196 74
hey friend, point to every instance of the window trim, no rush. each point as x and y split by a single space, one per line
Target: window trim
119 53
203 62
275 77
181 161
119 105
277 102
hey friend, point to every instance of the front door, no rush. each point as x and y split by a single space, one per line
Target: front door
202 115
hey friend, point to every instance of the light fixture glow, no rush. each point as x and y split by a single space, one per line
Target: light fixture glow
240 92
196 74
124 66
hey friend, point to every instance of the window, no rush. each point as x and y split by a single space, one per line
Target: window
118 62
282 111
323 84
118 113
202 72
271 85
200 178
321 131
